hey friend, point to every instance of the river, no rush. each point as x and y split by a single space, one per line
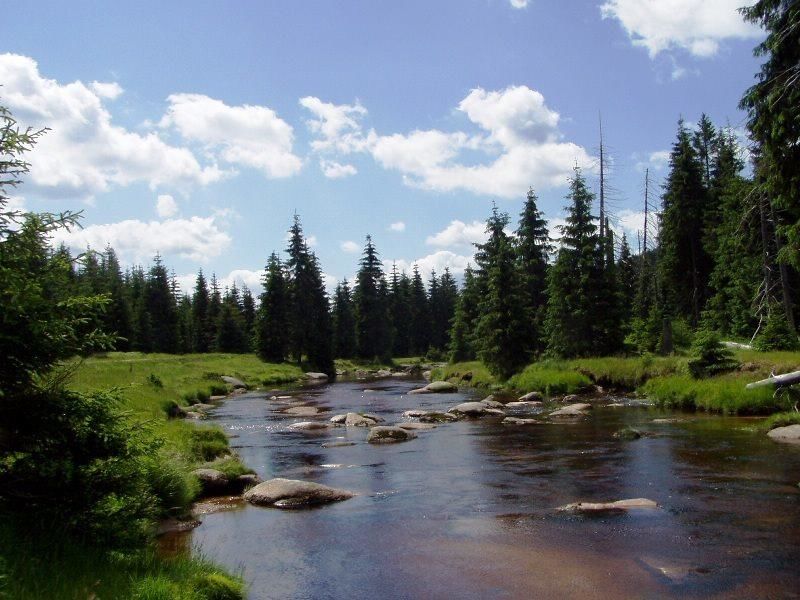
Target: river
466 510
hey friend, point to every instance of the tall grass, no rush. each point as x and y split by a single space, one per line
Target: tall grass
626 373
725 394
550 379
472 373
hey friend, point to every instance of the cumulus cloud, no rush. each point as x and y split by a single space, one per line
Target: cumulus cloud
655 161
195 238
519 3
334 170
398 226
166 206
350 247
85 153
247 135
438 261
697 26
515 138
458 233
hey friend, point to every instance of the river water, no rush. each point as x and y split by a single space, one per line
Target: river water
466 510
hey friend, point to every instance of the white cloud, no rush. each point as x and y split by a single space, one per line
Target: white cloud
655 161
519 3
15 204
438 261
458 233
398 226
337 125
517 143
111 90
195 238
249 136
335 170
166 206
350 247
697 26
85 153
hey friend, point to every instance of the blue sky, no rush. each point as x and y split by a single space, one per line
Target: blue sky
197 129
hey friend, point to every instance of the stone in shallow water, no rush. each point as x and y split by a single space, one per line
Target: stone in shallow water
438 417
309 426
789 434
628 433
293 493
518 421
471 409
617 506
338 444
417 426
338 419
415 413
316 376
524 404
302 411
356 420
436 387
490 402
388 435
530 397
573 410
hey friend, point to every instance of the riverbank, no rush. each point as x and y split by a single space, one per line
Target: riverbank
664 380
158 391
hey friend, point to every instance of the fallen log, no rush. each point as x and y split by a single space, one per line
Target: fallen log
778 381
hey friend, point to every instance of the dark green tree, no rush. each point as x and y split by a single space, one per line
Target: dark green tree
373 338
420 322
501 326
533 249
344 321
400 312
160 306
272 318
200 304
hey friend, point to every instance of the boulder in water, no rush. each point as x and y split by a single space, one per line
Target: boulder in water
618 506
530 397
234 382
388 435
417 426
436 387
491 402
292 493
312 376
573 410
789 434
471 409
338 419
309 426
302 411
518 421
438 417
524 404
356 420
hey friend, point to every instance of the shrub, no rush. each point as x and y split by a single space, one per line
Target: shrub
776 334
156 588
207 443
550 380
217 389
230 466
215 586
712 358
155 381
171 484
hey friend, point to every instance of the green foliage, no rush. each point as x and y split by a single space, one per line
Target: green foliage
500 330
208 443
711 357
550 379
344 321
230 466
776 335
272 319
465 319
473 373
155 381
215 586
725 394
370 299
782 419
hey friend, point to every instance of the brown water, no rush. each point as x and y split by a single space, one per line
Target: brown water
466 509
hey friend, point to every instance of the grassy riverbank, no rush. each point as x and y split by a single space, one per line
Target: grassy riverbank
147 386
665 380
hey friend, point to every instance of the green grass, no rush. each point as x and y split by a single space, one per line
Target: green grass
147 384
472 373
353 364
725 394
55 568
626 373
550 378
782 419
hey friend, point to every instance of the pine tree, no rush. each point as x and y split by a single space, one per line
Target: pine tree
271 326
500 327
575 279
344 322
684 264
420 322
371 310
200 304
160 306
533 250
400 312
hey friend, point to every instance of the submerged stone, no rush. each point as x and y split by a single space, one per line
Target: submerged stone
617 506
293 493
388 435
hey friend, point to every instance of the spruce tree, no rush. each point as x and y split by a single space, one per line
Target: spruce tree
344 322
533 250
271 326
575 279
684 264
231 336
400 312
420 322
160 306
500 327
118 316
446 307
371 310
214 310
248 316
462 336
200 302
626 283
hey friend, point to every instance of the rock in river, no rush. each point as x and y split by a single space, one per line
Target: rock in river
309 426
302 411
388 435
619 505
530 397
417 426
491 402
471 409
338 419
316 376
789 434
292 493
356 420
437 387
518 421
234 382
524 404
573 410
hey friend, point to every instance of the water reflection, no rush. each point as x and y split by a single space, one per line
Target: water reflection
466 509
